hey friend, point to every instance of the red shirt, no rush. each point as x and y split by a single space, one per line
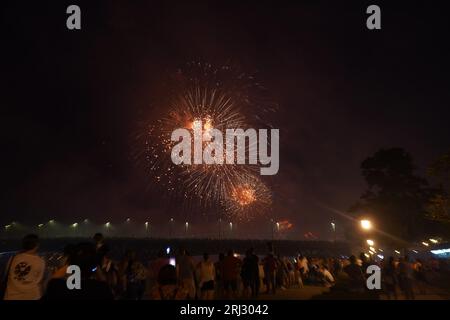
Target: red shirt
231 268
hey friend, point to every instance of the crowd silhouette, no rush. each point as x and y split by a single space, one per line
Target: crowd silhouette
179 276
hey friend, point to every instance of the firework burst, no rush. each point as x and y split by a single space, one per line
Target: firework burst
207 98
248 199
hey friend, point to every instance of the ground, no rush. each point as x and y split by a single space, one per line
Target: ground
308 292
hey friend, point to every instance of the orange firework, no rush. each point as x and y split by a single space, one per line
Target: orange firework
211 99
243 195
248 199
285 225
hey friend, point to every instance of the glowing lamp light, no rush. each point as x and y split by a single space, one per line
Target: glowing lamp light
366 224
370 242
440 251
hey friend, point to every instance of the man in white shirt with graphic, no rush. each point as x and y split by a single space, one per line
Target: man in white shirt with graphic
26 272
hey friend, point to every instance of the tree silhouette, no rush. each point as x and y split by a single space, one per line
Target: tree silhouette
396 197
439 207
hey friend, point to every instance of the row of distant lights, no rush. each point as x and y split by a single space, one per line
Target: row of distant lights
107 224
438 251
373 251
367 225
74 225
426 244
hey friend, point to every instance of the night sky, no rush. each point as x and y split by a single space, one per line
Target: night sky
71 100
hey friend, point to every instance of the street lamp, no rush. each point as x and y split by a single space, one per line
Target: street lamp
146 228
51 224
74 227
333 226
366 224
370 242
231 229
278 229
186 226
107 226
271 227
41 227
171 227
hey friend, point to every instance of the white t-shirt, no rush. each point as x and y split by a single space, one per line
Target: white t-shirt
25 277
